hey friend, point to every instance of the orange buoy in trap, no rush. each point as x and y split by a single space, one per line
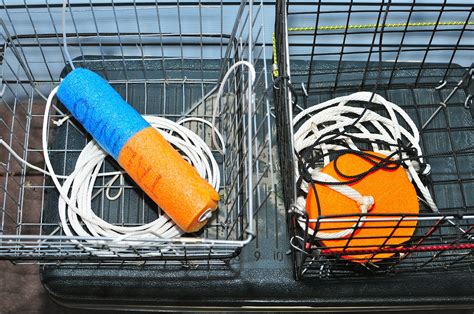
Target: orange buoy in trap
384 191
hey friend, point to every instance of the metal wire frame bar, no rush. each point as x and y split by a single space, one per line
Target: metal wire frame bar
426 6
135 3
349 30
114 7
344 253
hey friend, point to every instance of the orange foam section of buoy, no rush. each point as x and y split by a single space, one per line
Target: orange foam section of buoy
393 193
170 181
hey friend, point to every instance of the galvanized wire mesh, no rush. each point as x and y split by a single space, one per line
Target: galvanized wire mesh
417 54
163 58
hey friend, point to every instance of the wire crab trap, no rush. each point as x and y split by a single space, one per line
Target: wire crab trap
387 86
166 59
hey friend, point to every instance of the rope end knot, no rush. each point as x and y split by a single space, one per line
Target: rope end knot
366 203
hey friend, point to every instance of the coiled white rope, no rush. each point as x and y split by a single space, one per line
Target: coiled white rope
75 211
339 114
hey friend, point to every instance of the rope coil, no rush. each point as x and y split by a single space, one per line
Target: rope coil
326 131
76 192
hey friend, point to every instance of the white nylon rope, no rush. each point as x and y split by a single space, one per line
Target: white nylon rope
340 113
75 211
364 202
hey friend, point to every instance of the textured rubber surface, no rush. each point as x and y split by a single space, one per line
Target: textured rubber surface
100 109
253 283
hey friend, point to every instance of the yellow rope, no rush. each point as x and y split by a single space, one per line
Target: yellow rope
276 73
358 26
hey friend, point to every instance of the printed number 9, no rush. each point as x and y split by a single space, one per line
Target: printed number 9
257 255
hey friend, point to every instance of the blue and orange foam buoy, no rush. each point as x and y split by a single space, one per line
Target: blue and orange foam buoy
145 155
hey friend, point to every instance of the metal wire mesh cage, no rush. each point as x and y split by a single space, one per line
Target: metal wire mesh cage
418 55
164 58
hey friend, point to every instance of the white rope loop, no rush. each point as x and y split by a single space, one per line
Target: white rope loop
340 113
220 93
365 203
75 211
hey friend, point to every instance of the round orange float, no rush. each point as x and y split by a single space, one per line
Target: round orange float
392 193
